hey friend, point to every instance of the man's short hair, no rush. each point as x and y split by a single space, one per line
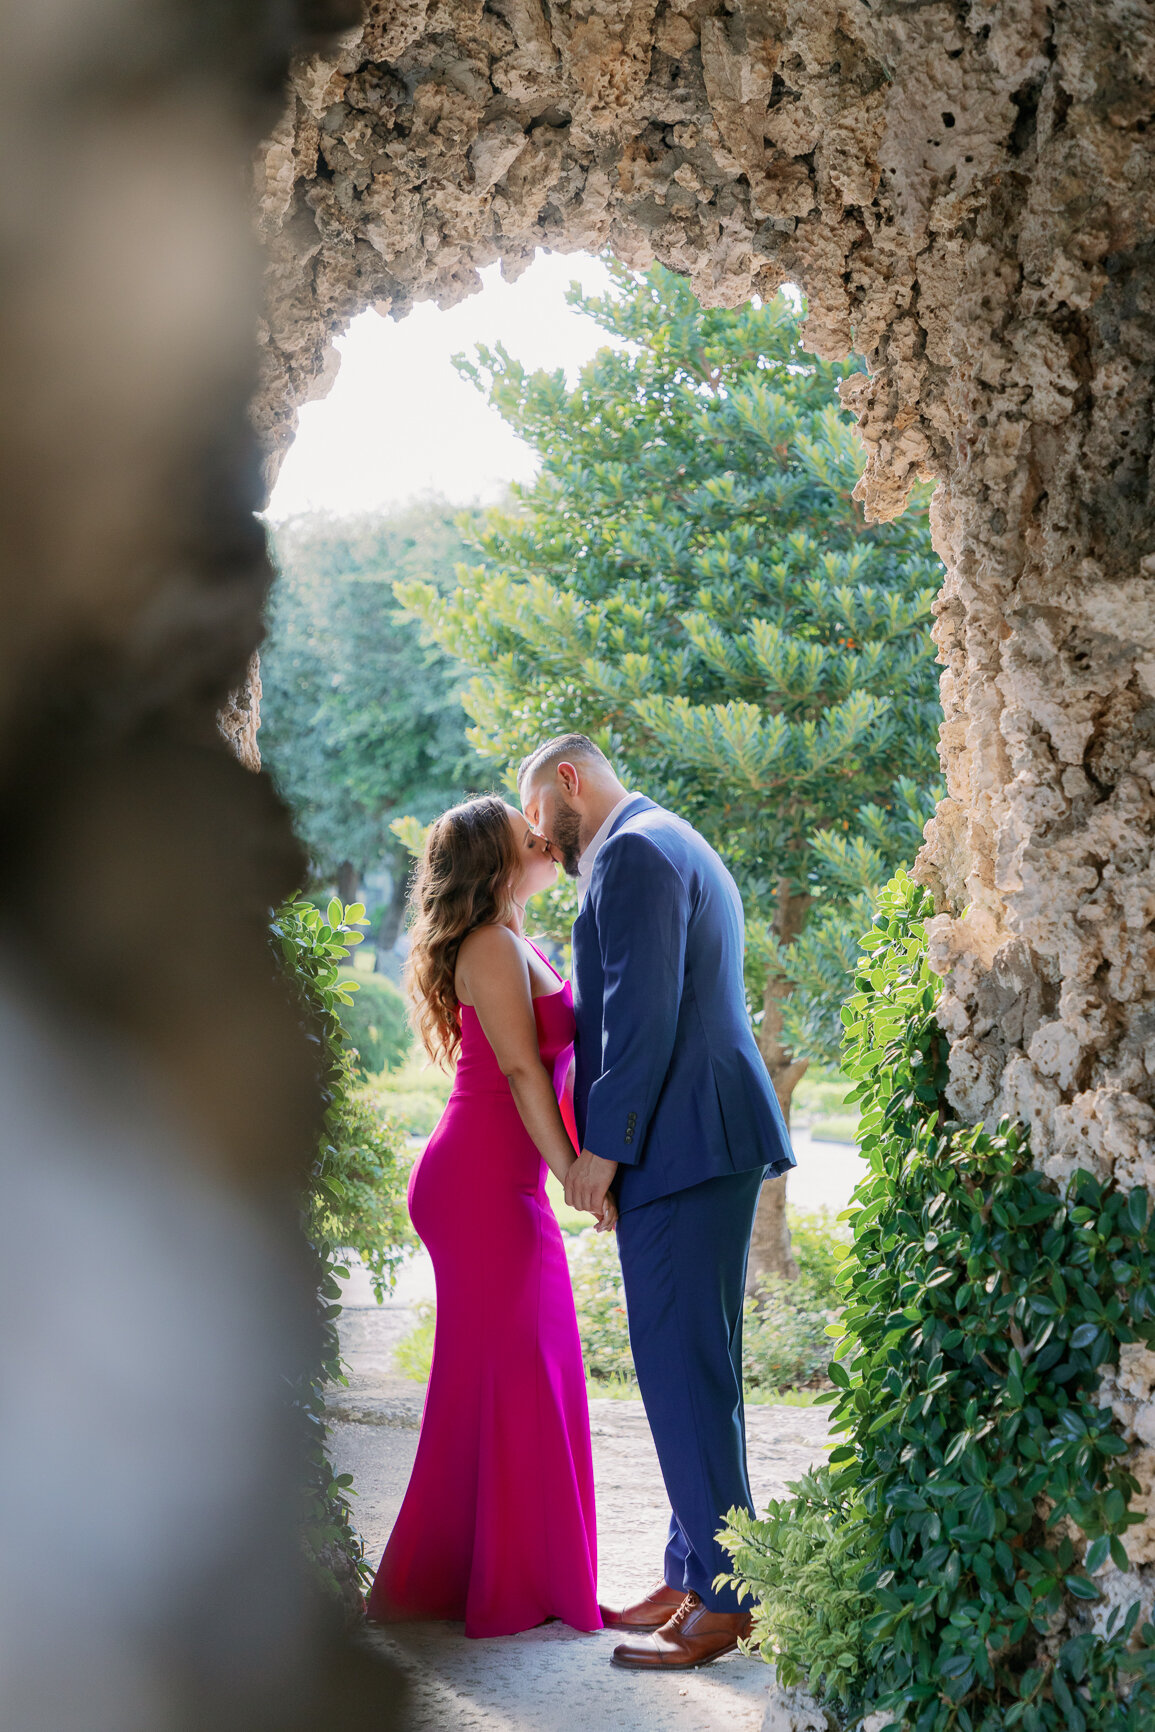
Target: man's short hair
556 751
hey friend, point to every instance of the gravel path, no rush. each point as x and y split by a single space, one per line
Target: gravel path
550 1679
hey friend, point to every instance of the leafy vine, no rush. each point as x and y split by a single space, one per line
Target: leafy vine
947 1554
355 1204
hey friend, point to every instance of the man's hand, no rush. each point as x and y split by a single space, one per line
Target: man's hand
587 1182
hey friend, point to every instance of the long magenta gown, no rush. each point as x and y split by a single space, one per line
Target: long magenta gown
497 1527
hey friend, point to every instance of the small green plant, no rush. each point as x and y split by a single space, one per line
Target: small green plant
355 1203
804 1562
980 1486
785 1327
821 1243
770 1396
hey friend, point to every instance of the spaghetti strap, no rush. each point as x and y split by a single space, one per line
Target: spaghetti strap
544 958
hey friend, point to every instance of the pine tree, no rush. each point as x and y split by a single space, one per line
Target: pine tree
690 580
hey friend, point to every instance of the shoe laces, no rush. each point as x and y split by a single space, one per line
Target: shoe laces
688 1605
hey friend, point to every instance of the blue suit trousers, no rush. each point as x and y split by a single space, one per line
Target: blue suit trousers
684 1271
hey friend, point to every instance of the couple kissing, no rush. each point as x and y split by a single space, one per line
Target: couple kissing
643 1091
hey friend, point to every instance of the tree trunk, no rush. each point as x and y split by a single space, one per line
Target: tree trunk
348 879
392 915
770 1252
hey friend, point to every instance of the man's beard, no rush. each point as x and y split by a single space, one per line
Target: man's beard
566 838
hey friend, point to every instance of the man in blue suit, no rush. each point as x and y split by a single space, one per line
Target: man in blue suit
675 1109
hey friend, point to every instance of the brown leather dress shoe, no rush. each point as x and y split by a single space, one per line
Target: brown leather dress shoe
692 1637
649 1614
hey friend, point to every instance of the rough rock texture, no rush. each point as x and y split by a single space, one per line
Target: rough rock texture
965 190
239 717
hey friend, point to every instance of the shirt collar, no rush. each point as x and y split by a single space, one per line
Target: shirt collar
586 863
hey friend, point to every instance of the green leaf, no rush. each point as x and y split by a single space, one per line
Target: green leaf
1138 1204
1119 1555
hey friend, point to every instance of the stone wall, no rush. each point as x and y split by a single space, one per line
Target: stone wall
966 192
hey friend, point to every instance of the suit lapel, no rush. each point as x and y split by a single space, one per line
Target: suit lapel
641 803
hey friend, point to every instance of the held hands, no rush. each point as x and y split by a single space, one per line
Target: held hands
587 1187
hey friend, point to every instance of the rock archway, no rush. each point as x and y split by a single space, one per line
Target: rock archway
965 194
965 191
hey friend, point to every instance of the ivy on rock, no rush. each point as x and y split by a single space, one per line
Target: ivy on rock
952 1542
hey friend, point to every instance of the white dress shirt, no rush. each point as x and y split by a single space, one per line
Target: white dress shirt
586 863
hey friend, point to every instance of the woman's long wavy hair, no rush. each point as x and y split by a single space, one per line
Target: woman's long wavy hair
465 880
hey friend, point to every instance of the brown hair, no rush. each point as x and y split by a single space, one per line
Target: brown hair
465 880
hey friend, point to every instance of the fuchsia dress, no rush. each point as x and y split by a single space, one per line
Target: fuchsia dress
497 1526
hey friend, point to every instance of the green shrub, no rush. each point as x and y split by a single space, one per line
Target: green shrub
414 1095
355 1202
821 1243
601 1306
362 1206
804 1562
785 1343
819 1101
784 1339
413 1354
785 1328
980 1486
375 1021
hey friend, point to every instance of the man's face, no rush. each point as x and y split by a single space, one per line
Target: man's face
547 809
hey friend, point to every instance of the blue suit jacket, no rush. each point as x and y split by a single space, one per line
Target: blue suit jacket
669 1080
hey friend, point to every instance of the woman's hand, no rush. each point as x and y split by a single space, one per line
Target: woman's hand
588 1182
608 1219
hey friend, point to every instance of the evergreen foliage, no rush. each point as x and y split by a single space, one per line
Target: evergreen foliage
355 1203
784 1340
361 720
690 581
946 1558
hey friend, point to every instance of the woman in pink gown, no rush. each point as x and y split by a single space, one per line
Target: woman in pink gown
497 1527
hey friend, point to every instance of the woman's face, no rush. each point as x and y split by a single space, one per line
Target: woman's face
539 869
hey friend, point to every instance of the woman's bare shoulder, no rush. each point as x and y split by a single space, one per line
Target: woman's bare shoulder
489 956
491 942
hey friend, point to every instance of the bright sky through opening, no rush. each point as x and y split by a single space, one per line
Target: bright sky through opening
399 422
